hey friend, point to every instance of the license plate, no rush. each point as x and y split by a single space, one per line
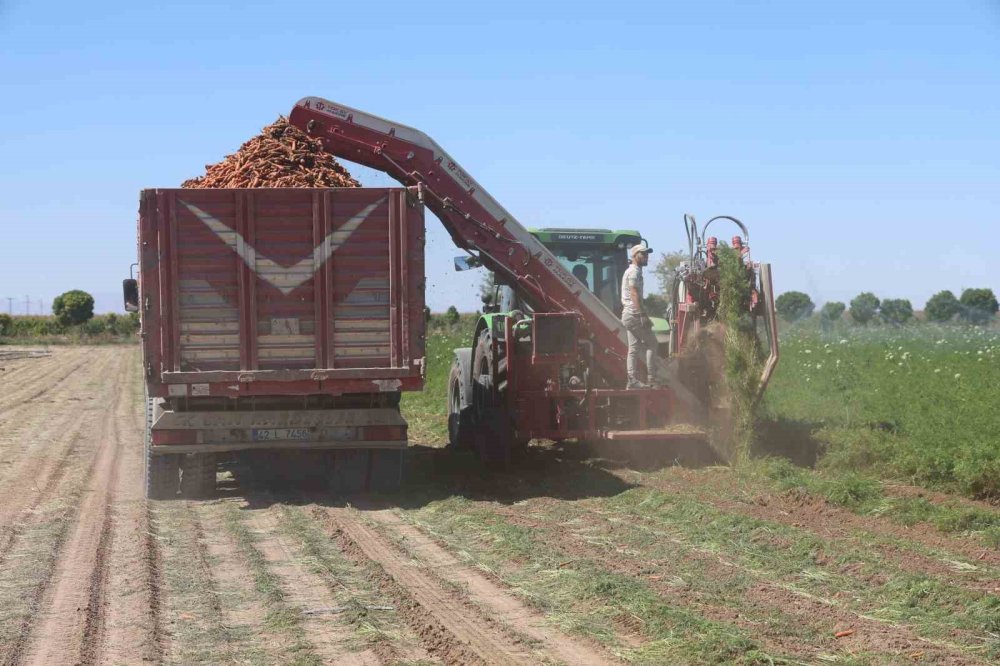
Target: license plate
272 434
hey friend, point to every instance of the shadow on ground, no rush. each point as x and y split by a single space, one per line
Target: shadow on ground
790 438
567 471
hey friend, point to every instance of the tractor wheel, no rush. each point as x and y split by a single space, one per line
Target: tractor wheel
494 439
460 419
162 472
494 432
198 475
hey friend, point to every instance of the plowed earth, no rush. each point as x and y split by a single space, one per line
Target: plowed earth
568 558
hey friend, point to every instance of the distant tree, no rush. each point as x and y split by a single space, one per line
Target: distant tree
794 305
6 324
864 307
73 307
833 311
664 270
451 316
978 305
655 305
896 310
942 306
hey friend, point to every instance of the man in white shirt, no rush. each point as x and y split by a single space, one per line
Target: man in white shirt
636 321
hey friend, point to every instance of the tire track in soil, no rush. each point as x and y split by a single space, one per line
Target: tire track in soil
303 590
71 623
489 595
131 632
448 627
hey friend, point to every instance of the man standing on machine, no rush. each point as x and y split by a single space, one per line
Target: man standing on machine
636 321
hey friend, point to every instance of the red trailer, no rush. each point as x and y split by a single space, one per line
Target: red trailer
275 320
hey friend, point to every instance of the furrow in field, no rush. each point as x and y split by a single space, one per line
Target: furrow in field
27 374
800 619
961 560
30 479
42 378
494 599
196 630
450 628
44 524
37 444
71 620
305 595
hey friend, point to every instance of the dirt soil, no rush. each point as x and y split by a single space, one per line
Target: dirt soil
458 569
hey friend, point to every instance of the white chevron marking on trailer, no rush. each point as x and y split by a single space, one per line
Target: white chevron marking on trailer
284 278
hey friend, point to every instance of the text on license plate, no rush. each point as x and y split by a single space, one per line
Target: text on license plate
269 434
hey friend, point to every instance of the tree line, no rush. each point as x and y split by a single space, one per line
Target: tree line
974 306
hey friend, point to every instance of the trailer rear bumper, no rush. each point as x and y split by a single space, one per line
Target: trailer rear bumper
201 432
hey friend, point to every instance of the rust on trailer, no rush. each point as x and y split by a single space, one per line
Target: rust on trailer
281 291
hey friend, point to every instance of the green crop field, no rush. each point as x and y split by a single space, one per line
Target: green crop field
918 403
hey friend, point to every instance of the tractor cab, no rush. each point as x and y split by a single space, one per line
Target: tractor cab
598 258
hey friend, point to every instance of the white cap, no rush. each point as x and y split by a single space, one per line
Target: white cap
641 247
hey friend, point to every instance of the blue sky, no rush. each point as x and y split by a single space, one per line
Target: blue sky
860 141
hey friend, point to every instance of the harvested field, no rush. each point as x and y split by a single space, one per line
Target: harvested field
568 558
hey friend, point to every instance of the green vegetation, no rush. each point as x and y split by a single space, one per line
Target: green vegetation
98 329
833 311
427 410
744 360
942 307
864 307
73 307
913 403
794 305
978 305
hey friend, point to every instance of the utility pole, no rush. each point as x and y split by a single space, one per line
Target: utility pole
40 306
10 305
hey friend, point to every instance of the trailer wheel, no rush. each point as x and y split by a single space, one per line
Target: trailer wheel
198 475
162 472
386 472
349 471
460 418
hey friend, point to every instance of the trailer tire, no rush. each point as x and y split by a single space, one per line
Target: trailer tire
348 472
198 475
460 413
161 471
386 473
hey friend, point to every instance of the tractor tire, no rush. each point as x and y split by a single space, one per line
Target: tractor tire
461 423
198 475
495 439
493 430
161 471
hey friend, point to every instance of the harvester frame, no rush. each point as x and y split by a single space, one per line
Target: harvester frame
558 370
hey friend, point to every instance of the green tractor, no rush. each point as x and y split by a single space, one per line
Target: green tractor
598 258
